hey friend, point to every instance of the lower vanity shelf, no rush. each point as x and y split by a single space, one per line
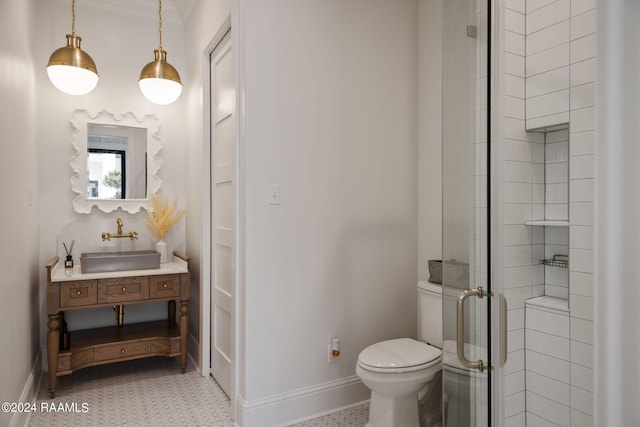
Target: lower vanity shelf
92 347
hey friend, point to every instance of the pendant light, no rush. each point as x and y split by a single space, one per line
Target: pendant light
71 69
159 81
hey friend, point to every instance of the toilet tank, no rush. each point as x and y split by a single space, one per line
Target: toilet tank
430 313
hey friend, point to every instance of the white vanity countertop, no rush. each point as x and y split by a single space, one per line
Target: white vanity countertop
60 274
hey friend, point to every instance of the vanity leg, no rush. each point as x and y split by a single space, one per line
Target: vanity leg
53 344
184 325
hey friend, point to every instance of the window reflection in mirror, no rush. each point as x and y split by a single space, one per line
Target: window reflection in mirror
107 174
116 162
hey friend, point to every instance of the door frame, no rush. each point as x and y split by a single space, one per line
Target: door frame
205 340
497 321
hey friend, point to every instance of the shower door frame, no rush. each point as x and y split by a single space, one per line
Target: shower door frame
492 325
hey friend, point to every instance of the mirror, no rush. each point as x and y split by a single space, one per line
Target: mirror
116 161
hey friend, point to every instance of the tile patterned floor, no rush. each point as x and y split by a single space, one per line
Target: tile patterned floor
354 417
152 392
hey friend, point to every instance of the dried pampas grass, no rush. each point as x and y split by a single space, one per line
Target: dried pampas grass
162 218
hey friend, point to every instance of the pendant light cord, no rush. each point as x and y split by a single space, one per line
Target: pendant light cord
73 17
160 25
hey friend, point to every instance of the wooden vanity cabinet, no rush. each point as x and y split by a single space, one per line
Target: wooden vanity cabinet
99 346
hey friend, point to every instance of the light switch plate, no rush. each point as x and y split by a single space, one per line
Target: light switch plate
274 194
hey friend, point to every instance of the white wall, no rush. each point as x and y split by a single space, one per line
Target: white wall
616 290
331 116
19 217
429 135
120 41
331 111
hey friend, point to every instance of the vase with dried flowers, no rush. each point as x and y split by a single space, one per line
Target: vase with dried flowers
160 220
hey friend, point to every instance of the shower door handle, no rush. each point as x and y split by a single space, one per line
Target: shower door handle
460 320
503 323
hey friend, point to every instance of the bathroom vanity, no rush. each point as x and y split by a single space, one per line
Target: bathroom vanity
85 291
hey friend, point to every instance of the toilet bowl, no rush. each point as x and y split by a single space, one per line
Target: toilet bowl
396 371
402 373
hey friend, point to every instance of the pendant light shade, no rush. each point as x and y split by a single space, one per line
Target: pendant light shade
71 69
159 81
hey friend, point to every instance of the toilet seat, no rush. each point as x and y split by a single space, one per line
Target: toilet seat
399 355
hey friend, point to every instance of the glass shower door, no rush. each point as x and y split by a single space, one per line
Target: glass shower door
465 249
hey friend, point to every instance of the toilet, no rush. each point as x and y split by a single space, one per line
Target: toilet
401 372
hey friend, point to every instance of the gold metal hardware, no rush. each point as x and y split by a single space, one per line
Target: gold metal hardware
78 292
72 55
165 286
124 289
503 321
462 358
119 309
108 236
160 69
122 351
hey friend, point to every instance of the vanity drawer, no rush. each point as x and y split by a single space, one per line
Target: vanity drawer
123 289
121 350
166 286
78 293
163 346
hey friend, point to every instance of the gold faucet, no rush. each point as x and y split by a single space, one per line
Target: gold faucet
107 236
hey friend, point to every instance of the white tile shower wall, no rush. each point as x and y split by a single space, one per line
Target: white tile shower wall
547 73
522 175
581 180
557 175
559 46
556 280
548 355
556 207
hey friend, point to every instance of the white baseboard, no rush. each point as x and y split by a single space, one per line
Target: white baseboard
302 404
29 393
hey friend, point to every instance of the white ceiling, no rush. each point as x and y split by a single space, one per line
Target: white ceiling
182 7
171 9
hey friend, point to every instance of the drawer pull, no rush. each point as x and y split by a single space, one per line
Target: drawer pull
78 292
122 351
165 286
124 289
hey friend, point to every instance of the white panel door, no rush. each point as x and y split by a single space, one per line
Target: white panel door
223 209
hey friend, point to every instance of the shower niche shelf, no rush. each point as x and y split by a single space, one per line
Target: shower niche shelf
548 223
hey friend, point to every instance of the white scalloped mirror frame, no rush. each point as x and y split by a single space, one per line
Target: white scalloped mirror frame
78 162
